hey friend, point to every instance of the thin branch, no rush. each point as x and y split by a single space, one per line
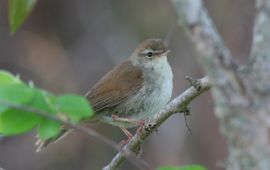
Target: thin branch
86 130
175 106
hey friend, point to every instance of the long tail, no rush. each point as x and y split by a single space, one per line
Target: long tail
41 144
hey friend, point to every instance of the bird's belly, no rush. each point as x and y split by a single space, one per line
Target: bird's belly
145 103
141 106
151 98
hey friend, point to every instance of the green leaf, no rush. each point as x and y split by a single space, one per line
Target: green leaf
14 93
18 12
48 129
74 106
188 167
43 102
13 122
16 121
7 78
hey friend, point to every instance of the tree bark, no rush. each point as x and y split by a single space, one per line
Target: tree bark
241 93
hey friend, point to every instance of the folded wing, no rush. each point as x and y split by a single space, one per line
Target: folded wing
116 86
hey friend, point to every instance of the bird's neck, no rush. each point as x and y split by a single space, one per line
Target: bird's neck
158 70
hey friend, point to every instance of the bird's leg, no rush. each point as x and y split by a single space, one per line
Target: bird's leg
130 135
126 132
139 130
128 120
138 122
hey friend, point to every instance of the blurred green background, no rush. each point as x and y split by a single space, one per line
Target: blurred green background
67 45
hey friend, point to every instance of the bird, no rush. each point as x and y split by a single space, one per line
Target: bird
132 92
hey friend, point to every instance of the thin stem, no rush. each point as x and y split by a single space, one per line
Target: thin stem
90 132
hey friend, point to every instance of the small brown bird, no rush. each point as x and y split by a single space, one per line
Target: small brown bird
133 91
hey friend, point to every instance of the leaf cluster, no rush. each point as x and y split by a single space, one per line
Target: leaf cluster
14 121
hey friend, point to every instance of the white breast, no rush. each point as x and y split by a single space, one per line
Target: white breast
151 98
157 89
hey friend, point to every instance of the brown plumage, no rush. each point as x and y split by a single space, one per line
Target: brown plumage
108 92
153 44
116 89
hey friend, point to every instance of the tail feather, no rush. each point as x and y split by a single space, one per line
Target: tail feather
41 144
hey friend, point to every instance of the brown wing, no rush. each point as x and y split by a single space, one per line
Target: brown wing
118 84
112 89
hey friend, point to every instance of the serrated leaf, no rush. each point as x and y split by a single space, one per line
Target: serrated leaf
18 12
74 106
14 93
7 78
188 167
13 122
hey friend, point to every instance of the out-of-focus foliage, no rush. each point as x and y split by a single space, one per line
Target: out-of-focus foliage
68 45
16 120
188 167
18 12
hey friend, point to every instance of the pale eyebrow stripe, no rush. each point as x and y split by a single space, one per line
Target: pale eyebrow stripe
147 51
158 52
154 52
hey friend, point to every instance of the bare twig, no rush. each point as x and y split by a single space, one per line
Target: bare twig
86 130
175 106
187 113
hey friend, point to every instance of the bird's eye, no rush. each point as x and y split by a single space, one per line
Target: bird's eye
149 54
